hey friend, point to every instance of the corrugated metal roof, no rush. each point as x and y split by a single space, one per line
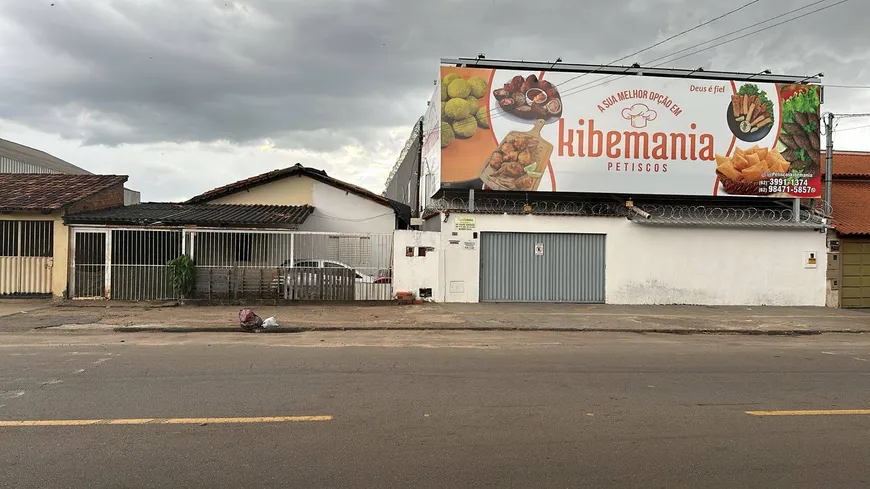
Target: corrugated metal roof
26 154
50 191
217 215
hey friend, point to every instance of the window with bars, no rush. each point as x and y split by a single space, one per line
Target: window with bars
27 238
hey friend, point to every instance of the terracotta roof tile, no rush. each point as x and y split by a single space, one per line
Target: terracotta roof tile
850 206
50 191
850 164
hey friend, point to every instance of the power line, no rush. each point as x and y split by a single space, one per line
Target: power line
851 128
723 36
493 109
574 90
613 78
751 33
726 14
709 41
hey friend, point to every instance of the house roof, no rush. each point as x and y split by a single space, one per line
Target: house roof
850 192
26 154
50 191
171 214
851 164
849 206
402 210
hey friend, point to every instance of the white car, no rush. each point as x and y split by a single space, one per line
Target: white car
360 277
278 281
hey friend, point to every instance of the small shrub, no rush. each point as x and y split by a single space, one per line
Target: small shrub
182 272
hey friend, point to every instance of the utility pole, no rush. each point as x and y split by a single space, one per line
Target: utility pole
829 158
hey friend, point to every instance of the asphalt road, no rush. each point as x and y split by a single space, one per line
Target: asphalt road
435 410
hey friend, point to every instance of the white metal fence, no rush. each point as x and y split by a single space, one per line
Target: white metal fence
26 257
130 263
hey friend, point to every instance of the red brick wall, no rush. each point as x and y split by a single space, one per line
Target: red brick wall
111 197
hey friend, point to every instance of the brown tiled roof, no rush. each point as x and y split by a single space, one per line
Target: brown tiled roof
50 191
850 164
170 214
849 206
850 192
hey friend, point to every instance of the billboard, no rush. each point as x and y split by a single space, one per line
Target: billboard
568 132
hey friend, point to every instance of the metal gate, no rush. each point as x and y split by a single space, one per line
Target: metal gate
542 267
26 257
90 277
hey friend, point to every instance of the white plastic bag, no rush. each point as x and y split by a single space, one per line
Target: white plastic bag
270 323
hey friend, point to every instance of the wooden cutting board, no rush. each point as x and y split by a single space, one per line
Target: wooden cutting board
500 179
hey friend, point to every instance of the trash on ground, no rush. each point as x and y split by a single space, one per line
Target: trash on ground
270 323
249 321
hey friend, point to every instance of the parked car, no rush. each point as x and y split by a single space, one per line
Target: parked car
361 278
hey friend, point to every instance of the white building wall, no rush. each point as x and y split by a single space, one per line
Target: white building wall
412 273
336 210
664 265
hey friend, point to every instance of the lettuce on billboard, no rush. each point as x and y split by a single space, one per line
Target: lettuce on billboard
515 131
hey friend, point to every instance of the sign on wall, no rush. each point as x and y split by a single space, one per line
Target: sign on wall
564 132
464 223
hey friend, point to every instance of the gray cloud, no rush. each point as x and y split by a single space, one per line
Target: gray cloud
316 78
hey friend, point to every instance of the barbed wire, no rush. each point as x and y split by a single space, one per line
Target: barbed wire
673 214
707 214
521 206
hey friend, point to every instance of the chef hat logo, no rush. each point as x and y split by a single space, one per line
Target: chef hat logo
639 115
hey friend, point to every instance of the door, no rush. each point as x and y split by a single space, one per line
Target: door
89 277
542 267
855 264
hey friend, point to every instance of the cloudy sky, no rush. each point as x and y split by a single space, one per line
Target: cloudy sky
188 95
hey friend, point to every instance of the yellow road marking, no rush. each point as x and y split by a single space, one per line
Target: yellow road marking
817 412
133 421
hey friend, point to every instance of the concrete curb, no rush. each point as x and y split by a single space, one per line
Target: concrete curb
674 331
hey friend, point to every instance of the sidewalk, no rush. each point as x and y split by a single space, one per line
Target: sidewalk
127 317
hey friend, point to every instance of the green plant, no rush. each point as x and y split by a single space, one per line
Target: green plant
182 272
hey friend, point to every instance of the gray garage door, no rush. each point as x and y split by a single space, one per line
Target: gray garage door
542 267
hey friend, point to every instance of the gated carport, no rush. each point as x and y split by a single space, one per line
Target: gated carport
240 251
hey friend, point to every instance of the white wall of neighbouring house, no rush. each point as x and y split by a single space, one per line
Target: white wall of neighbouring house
339 211
335 210
414 270
664 265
